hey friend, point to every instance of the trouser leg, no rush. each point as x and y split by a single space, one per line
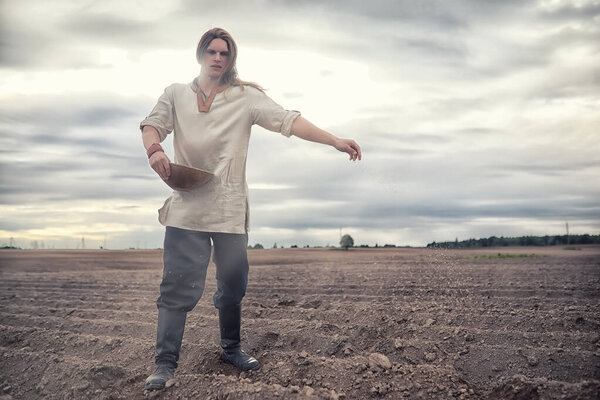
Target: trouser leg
186 257
231 260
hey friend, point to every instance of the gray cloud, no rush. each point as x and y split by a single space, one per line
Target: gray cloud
24 44
12 44
105 27
430 13
45 139
397 190
547 168
72 160
78 178
566 11
394 213
65 111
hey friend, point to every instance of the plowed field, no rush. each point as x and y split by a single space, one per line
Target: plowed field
325 324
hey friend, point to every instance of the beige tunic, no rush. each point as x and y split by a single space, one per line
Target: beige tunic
214 137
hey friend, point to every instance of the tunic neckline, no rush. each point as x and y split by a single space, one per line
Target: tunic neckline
204 105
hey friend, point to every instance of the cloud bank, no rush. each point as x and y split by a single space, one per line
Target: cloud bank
476 118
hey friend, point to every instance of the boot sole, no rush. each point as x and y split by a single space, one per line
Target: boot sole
154 386
240 369
157 385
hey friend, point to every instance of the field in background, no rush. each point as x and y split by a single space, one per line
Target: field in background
503 323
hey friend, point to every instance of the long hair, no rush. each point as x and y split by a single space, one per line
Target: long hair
230 75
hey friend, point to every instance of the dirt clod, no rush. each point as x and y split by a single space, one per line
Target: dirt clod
379 361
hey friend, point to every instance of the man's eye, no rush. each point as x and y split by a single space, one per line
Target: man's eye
212 52
225 54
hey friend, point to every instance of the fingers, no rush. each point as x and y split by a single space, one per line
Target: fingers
358 151
166 169
160 164
354 151
349 146
160 170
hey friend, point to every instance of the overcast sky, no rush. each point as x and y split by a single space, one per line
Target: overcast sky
476 117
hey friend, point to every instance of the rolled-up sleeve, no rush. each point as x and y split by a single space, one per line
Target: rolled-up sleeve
161 116
270 115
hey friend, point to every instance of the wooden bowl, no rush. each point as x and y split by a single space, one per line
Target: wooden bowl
186 178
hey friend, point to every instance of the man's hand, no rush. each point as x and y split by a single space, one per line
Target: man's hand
158 160
349 146
307 131
160 163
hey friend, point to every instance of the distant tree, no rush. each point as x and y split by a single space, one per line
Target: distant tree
346 241
258 246
585 239
275 245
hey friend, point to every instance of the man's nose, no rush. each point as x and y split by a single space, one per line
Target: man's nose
218 57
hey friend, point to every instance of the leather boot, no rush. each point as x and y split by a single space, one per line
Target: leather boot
162 373
168 343
230 319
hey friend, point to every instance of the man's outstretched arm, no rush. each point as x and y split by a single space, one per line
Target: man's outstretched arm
307 131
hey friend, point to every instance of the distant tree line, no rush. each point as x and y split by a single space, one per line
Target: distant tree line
493 241
346 242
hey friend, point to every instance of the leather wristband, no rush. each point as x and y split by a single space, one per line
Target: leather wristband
153 149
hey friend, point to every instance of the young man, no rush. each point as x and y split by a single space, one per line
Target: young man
211 118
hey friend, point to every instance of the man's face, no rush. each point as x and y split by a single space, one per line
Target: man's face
215 59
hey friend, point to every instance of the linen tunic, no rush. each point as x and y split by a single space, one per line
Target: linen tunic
214 137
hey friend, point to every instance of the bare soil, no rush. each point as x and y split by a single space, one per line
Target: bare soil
325 324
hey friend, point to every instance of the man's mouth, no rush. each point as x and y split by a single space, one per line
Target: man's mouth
216 66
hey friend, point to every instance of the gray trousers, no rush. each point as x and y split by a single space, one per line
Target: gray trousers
186 258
